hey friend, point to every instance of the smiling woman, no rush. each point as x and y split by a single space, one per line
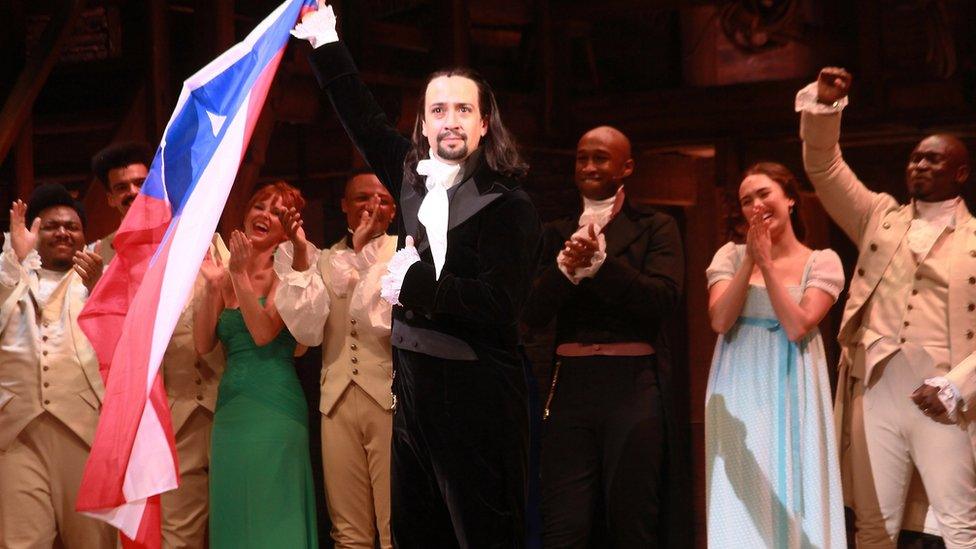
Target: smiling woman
261 419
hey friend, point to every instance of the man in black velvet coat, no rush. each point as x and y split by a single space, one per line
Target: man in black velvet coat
468 243
612 277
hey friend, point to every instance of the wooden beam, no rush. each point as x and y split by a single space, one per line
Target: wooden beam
20 102
24 160
160 103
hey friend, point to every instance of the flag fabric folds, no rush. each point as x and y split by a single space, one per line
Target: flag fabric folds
131 314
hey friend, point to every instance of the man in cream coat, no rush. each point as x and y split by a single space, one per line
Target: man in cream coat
907 382
50 387
337 304
190 381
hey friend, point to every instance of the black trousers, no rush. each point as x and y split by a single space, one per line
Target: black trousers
460 453
602 453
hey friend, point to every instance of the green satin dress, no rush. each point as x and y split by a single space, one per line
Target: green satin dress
261 489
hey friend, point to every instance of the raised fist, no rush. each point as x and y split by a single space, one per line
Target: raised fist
833 84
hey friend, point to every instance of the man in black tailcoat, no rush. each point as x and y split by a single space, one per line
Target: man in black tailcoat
467 248
612 277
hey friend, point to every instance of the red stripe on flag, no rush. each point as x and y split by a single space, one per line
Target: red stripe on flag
125 390
150 524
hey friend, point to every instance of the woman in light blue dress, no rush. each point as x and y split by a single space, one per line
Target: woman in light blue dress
772 472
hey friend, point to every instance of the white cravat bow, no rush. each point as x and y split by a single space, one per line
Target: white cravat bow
433 211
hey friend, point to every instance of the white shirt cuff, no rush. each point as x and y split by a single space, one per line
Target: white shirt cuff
599 257
283 258
318 27
949 396
806 101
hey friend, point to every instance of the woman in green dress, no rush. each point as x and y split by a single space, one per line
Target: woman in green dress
261 488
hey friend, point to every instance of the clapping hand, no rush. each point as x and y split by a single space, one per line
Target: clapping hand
293 225
22 240
372 222
578 251
240 252
89 266
213 270
833 84
759 245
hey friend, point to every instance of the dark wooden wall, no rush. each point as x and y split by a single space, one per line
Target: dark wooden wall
700 104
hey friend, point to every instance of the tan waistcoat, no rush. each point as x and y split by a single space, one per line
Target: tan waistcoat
37 376
351 351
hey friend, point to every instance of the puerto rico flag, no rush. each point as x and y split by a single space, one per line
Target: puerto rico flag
133 310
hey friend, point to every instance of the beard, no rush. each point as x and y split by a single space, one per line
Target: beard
456 154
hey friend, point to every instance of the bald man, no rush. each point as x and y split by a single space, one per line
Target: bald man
907 381
609 276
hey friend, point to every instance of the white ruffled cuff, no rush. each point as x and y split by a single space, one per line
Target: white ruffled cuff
396 271
806 101
949 396
599 257
318 27
283 258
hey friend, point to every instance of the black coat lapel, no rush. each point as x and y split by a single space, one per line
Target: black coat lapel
628 225
409 207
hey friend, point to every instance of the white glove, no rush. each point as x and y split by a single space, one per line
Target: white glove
318 27
396 270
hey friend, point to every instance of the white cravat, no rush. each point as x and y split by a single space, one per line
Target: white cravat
931 220
433 211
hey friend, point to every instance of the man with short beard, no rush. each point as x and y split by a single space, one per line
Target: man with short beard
468 237
50 387
610 275
190 380
907 333
332 298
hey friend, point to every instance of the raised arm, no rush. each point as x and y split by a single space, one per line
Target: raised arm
507 257
365 122
847 200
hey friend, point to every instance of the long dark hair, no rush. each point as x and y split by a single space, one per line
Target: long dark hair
736 223
498 146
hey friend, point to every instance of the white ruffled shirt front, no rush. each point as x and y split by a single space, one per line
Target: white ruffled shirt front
596 214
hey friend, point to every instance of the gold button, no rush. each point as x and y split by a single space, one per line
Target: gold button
969 334
906 323
972 307
860 272
44 338
47 401
46 384
914 292
355 371
910 307
918 276
44 353
46 368
874 247
354 360
903 340
199 397
886 225
45 324
353 333
354 346
972 253
353 322
972 280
